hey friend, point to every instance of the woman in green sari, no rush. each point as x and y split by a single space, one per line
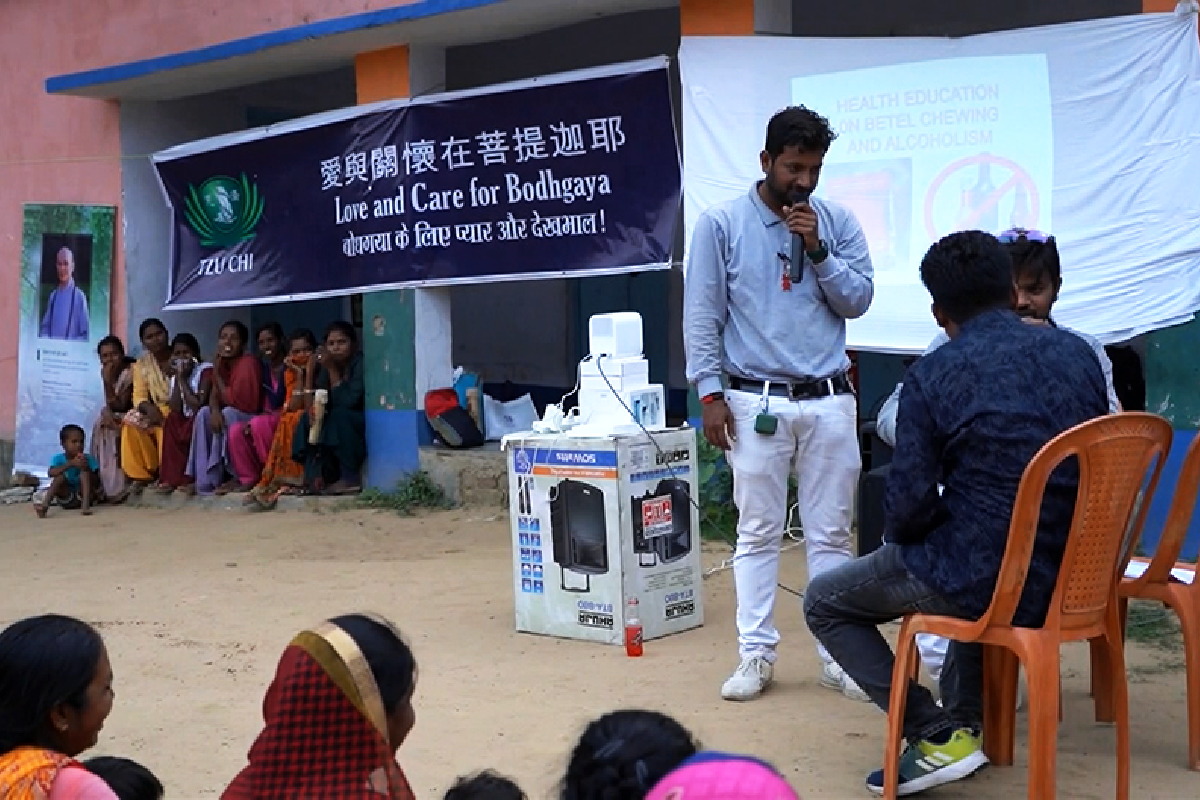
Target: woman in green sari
331 440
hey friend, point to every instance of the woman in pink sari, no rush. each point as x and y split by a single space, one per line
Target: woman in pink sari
250 441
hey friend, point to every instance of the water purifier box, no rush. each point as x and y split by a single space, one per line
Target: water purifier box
597 520
618 334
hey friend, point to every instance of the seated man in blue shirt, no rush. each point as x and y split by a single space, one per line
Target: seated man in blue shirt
1037 272
972 415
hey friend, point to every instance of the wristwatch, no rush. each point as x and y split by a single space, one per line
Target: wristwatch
820 254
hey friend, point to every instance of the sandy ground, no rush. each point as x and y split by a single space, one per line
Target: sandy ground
196 607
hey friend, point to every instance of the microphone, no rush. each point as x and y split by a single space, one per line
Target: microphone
795 198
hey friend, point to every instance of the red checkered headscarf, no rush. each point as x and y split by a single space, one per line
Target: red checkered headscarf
325 735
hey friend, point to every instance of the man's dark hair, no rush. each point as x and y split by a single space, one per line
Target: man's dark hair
799 127
966 273
1036 259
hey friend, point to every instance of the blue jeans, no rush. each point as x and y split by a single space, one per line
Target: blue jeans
844 608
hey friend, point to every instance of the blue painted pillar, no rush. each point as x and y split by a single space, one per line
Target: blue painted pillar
406 333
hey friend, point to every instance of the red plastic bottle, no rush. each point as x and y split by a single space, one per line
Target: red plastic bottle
633 629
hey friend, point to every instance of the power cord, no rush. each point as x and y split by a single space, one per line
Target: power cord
793 532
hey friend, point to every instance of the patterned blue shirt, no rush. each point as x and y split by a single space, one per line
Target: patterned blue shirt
972 415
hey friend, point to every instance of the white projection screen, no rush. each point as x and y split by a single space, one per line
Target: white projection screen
1089 131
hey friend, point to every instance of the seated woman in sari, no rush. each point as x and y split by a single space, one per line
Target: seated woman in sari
236 397
55 693
141 431
117 374
191 385
250 442
335 715
282 475
331 440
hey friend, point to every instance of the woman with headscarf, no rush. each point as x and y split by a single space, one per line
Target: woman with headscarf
333 456
339 708
55 693
116 373
281 474
250 441
236 396
141 431
711 775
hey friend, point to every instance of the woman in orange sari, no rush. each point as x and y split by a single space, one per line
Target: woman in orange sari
281 474
55 693
339 708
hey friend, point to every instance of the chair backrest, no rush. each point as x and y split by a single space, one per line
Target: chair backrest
1179 519
1114 453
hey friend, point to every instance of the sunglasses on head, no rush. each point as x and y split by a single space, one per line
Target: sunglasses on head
1017 234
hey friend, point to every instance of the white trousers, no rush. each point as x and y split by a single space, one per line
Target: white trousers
818 440
933 653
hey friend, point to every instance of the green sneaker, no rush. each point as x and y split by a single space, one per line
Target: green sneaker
924 765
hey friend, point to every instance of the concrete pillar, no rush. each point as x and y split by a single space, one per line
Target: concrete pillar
406 332
731 18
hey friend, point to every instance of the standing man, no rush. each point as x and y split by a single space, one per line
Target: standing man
66 314
777 331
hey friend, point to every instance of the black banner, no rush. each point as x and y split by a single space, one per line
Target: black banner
570 176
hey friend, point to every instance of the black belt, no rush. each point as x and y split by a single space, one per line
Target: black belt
797 390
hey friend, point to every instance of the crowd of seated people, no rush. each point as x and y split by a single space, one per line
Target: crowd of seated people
337 711
283 414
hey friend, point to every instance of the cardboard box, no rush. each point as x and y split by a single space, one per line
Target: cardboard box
596 521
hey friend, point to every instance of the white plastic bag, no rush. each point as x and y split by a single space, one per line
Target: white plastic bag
501 419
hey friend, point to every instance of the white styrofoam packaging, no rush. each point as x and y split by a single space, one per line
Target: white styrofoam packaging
598 520
631 371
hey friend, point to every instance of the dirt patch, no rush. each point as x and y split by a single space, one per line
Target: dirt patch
196 607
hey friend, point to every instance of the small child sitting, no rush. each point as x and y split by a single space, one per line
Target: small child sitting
486 785
74 476
128 779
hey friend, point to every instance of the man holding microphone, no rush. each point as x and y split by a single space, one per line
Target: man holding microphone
772 277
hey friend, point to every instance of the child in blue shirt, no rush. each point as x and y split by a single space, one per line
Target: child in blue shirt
74 475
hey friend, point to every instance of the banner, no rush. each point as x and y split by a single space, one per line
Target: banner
576 174
1084 130
66 277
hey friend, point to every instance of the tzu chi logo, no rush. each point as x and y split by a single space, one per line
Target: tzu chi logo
223 212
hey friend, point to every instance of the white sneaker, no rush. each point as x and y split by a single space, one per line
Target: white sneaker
751 679
834 677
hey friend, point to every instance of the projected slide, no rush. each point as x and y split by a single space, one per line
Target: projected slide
932 147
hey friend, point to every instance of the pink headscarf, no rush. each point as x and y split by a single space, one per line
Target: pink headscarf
722 776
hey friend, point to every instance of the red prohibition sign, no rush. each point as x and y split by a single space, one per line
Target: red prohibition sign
1019 177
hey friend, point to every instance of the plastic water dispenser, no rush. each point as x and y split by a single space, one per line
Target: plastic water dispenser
618 335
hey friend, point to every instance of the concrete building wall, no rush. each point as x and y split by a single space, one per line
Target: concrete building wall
67 149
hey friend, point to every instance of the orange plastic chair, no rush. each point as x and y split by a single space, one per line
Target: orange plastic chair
1157 583
1114 453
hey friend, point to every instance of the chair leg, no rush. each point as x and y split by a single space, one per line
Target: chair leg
1042 670
1119 699
1000 670
1103 679
1098 689
906 662
1188 611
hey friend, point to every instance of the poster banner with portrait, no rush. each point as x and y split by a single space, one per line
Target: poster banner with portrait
1084 130
66 280
567 175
